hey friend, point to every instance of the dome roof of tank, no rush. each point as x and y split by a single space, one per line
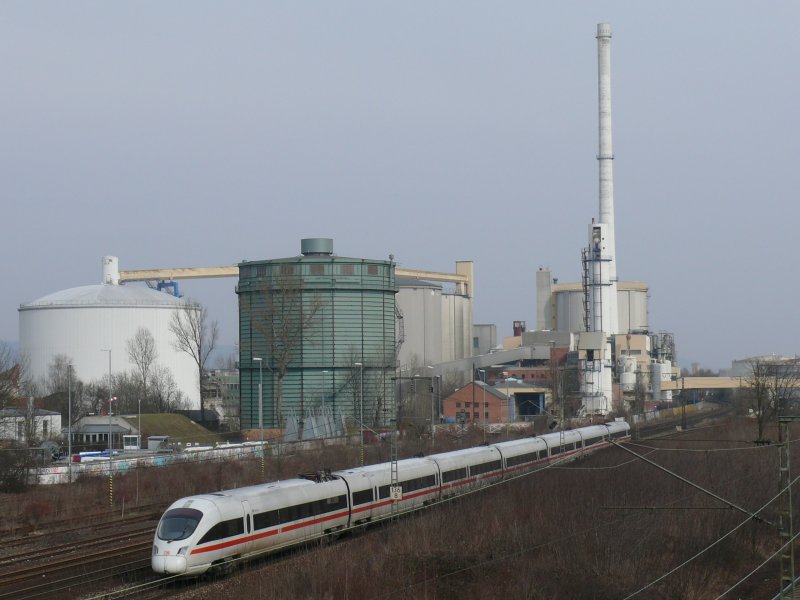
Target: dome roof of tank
107 295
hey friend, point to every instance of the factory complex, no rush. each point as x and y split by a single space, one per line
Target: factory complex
328 339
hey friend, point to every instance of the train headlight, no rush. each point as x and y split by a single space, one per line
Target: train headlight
182 551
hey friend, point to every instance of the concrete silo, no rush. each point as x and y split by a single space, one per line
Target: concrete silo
421 305
324 328
83 322
567 307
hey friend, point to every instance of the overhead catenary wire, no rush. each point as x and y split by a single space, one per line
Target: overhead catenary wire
694 485
525 550
712 545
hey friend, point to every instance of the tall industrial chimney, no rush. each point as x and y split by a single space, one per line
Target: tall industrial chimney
600 269
605 161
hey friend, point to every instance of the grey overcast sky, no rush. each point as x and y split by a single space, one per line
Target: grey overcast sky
201 133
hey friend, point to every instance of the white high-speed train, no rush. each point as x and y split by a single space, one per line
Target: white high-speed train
211 530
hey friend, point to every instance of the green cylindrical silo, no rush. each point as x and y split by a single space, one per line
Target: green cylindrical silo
322 324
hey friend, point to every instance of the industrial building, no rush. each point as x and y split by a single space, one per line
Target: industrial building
479 402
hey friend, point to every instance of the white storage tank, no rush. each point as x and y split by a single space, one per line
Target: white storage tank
627 366
82 322
660 371
420 303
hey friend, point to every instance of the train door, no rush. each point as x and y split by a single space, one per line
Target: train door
248 526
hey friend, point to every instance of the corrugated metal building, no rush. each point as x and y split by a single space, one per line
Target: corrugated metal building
324 327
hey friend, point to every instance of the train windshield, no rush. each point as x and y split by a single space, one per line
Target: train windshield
178 524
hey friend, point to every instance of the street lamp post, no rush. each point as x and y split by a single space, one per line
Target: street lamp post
434 405
110 397
483 409
69 420
508 401
439 405
260 362
324 373
110 449
361 407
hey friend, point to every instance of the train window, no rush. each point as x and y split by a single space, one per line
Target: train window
294 513
419 483
223 529
266 519
179 524
335 503
453 475
312 509
362 497
521 459
383 492
484 467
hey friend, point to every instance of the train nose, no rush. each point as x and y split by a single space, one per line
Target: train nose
168 563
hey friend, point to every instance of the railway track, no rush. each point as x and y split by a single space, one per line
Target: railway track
671 426
59 576
63 549
67 575
21 534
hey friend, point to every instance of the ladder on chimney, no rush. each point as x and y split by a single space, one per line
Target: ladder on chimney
585 280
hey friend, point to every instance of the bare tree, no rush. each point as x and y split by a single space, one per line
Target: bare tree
9 375
773 386
195 336
165 395
142 352
282 314
556 378
57 380
230 361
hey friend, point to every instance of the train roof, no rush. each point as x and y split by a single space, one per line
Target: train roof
379 467
465 452
254 489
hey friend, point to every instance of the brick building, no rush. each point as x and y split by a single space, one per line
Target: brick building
476 401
